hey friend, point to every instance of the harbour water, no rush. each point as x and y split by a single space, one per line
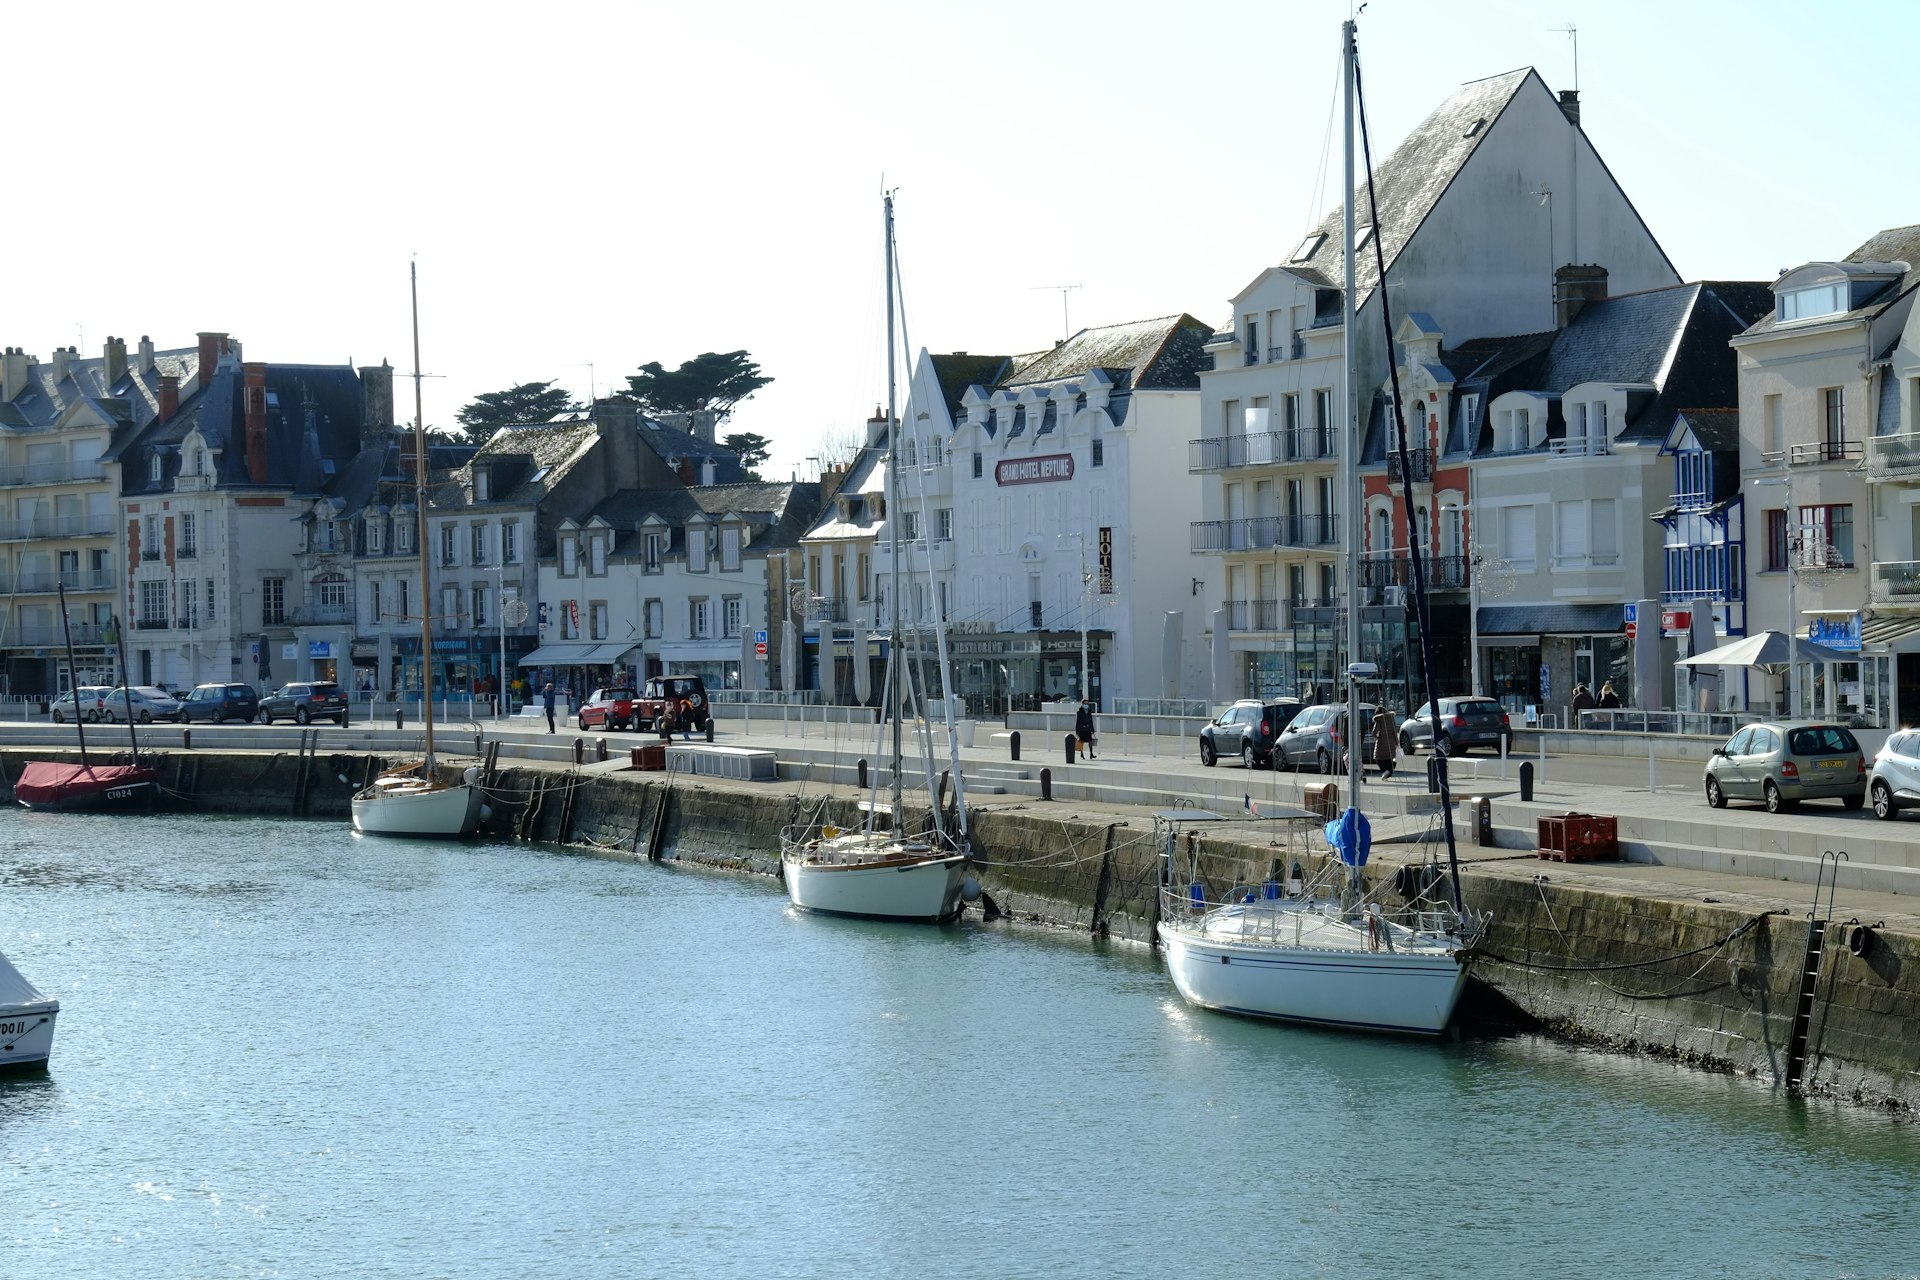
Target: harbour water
287 1051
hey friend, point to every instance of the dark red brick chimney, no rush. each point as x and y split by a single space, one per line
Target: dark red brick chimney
169 396
255 409
212 346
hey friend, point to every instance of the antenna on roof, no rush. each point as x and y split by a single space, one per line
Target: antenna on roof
1066 327
1572 33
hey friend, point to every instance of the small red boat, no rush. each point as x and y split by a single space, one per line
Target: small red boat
46 784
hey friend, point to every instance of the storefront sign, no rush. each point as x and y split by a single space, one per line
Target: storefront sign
1675 621
1054 466
1106 562
320 649
1836 631
992 648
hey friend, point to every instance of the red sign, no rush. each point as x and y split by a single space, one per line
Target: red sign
1631 628
1676 620
1042 470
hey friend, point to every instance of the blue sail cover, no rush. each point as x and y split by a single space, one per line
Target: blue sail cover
1351 837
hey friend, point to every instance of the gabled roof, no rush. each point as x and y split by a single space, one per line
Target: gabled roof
1715 430
1894 245
313 421
553 448
45 398
1166 352
957 370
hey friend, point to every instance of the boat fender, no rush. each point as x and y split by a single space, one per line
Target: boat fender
471 775
1860 939
970 889
486 813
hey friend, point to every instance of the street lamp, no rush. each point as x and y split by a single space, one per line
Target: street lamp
1792 520
500 615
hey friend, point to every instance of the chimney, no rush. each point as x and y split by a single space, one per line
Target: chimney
62 359
1573 288
1570 106
113 362
256 418
169 396
145 363
376 402
212 346
13 378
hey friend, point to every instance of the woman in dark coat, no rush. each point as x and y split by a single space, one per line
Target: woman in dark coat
1386 742
1083 728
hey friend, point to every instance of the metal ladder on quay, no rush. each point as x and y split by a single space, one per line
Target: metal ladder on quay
1810 972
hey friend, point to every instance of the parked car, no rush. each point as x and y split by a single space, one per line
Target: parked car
1318 737
305 701
690 690
608 709
1893 781
144 703
1465 723
1782 764
1247 731
219 703
86 705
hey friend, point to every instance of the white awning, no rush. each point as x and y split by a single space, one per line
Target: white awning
577 655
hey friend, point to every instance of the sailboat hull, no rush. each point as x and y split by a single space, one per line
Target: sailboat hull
905 887
26 1039
77 788
408 807
1405 992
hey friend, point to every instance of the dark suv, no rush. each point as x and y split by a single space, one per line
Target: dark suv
219 703
305 701
688 694
1247 730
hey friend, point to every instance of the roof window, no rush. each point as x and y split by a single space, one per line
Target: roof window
1820 300
1474 128
1308 247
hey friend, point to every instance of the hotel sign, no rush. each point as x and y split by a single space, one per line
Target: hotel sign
1054 466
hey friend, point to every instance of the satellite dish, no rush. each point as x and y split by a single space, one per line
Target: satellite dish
513 612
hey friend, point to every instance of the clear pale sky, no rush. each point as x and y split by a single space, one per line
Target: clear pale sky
607 184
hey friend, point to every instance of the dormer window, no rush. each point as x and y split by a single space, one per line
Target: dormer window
569 556
155 469
1308 247
482 485
1820 300
696 549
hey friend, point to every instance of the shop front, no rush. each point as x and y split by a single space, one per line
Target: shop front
997 672
577 669
1532 657
1389 638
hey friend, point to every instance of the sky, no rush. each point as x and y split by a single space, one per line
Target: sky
589 187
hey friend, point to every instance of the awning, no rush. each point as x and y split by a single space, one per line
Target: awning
1877 632
577 655
1550 619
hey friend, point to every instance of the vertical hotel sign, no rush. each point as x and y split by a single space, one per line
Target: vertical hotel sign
1106 561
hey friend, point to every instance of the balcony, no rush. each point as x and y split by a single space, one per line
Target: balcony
52 473
1419 466
1263 533
36 634
1443 573
1253 615
1292 351
89 526
1252 357
1579 447
323 615
1258 449
1895 582
71 579
1894 457
152 624
1807 455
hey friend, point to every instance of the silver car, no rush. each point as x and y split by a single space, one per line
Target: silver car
1317 737
1781 764
1893 783
144 703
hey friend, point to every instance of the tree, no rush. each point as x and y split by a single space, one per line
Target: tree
528 402
713 381
752 447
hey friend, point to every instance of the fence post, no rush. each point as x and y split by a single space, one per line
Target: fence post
1013 744
1046 784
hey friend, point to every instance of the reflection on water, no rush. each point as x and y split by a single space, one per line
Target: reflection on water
286 1050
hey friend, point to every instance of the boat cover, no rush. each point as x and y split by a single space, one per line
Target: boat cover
1351 837
17 995
46 782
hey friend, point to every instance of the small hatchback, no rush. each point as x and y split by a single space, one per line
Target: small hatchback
1317 737
1783 764
1465 723
1246 731
608 709
1893 783
305 701
219 703
87 704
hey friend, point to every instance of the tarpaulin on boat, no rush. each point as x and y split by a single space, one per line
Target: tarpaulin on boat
17 995
46 784
1351 837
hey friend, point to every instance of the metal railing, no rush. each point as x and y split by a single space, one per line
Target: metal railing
1580 446
1895 582
1443 573
1894 456
1709 724
1419 462
1259 449
1186 708
1801 455
84 633
1259 533
87 526
62 472
322 615
71 579
1253 615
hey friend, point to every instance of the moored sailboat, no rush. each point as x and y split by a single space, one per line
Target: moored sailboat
86 786
425 797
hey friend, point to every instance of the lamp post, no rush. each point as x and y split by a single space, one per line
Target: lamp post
500 615
1785 482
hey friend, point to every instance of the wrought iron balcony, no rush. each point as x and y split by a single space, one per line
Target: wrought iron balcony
36 633
1419 466
1894 457
1443 573
86 526
1262 533
1803 455
71 579
1253 615
52 473
323 615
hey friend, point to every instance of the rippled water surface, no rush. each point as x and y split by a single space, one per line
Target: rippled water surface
287 1051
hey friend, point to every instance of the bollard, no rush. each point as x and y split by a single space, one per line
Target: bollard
709 727
186 739
1436 766
399 718
1480 811
579 750
1071 744
1046 784
1013 743
1526 779
600 748
479 748
860 767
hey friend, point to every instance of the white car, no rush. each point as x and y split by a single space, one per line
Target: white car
85 704
1893 783
143 702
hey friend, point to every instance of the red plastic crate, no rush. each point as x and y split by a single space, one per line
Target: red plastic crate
651 756
1580 837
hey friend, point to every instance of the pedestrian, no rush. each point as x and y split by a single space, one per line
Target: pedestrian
1083 727
1386 741
546 696
1582 701
1608 698
666 720
686 720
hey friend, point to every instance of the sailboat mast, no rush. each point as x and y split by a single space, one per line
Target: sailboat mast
1350 446
73 676
893 532
420 517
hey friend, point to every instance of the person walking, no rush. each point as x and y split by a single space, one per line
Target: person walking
1608 698
1083 728
1386 741
666 719
546 696
686 720
1582 701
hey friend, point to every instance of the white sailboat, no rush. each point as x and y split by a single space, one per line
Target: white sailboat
1326 952
424 797
26 1022
871 873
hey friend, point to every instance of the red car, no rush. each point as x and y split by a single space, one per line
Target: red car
608 709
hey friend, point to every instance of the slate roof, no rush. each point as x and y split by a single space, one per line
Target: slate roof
134 397
1895 244
1716 430
313 428
1163 353
957 370
552 448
